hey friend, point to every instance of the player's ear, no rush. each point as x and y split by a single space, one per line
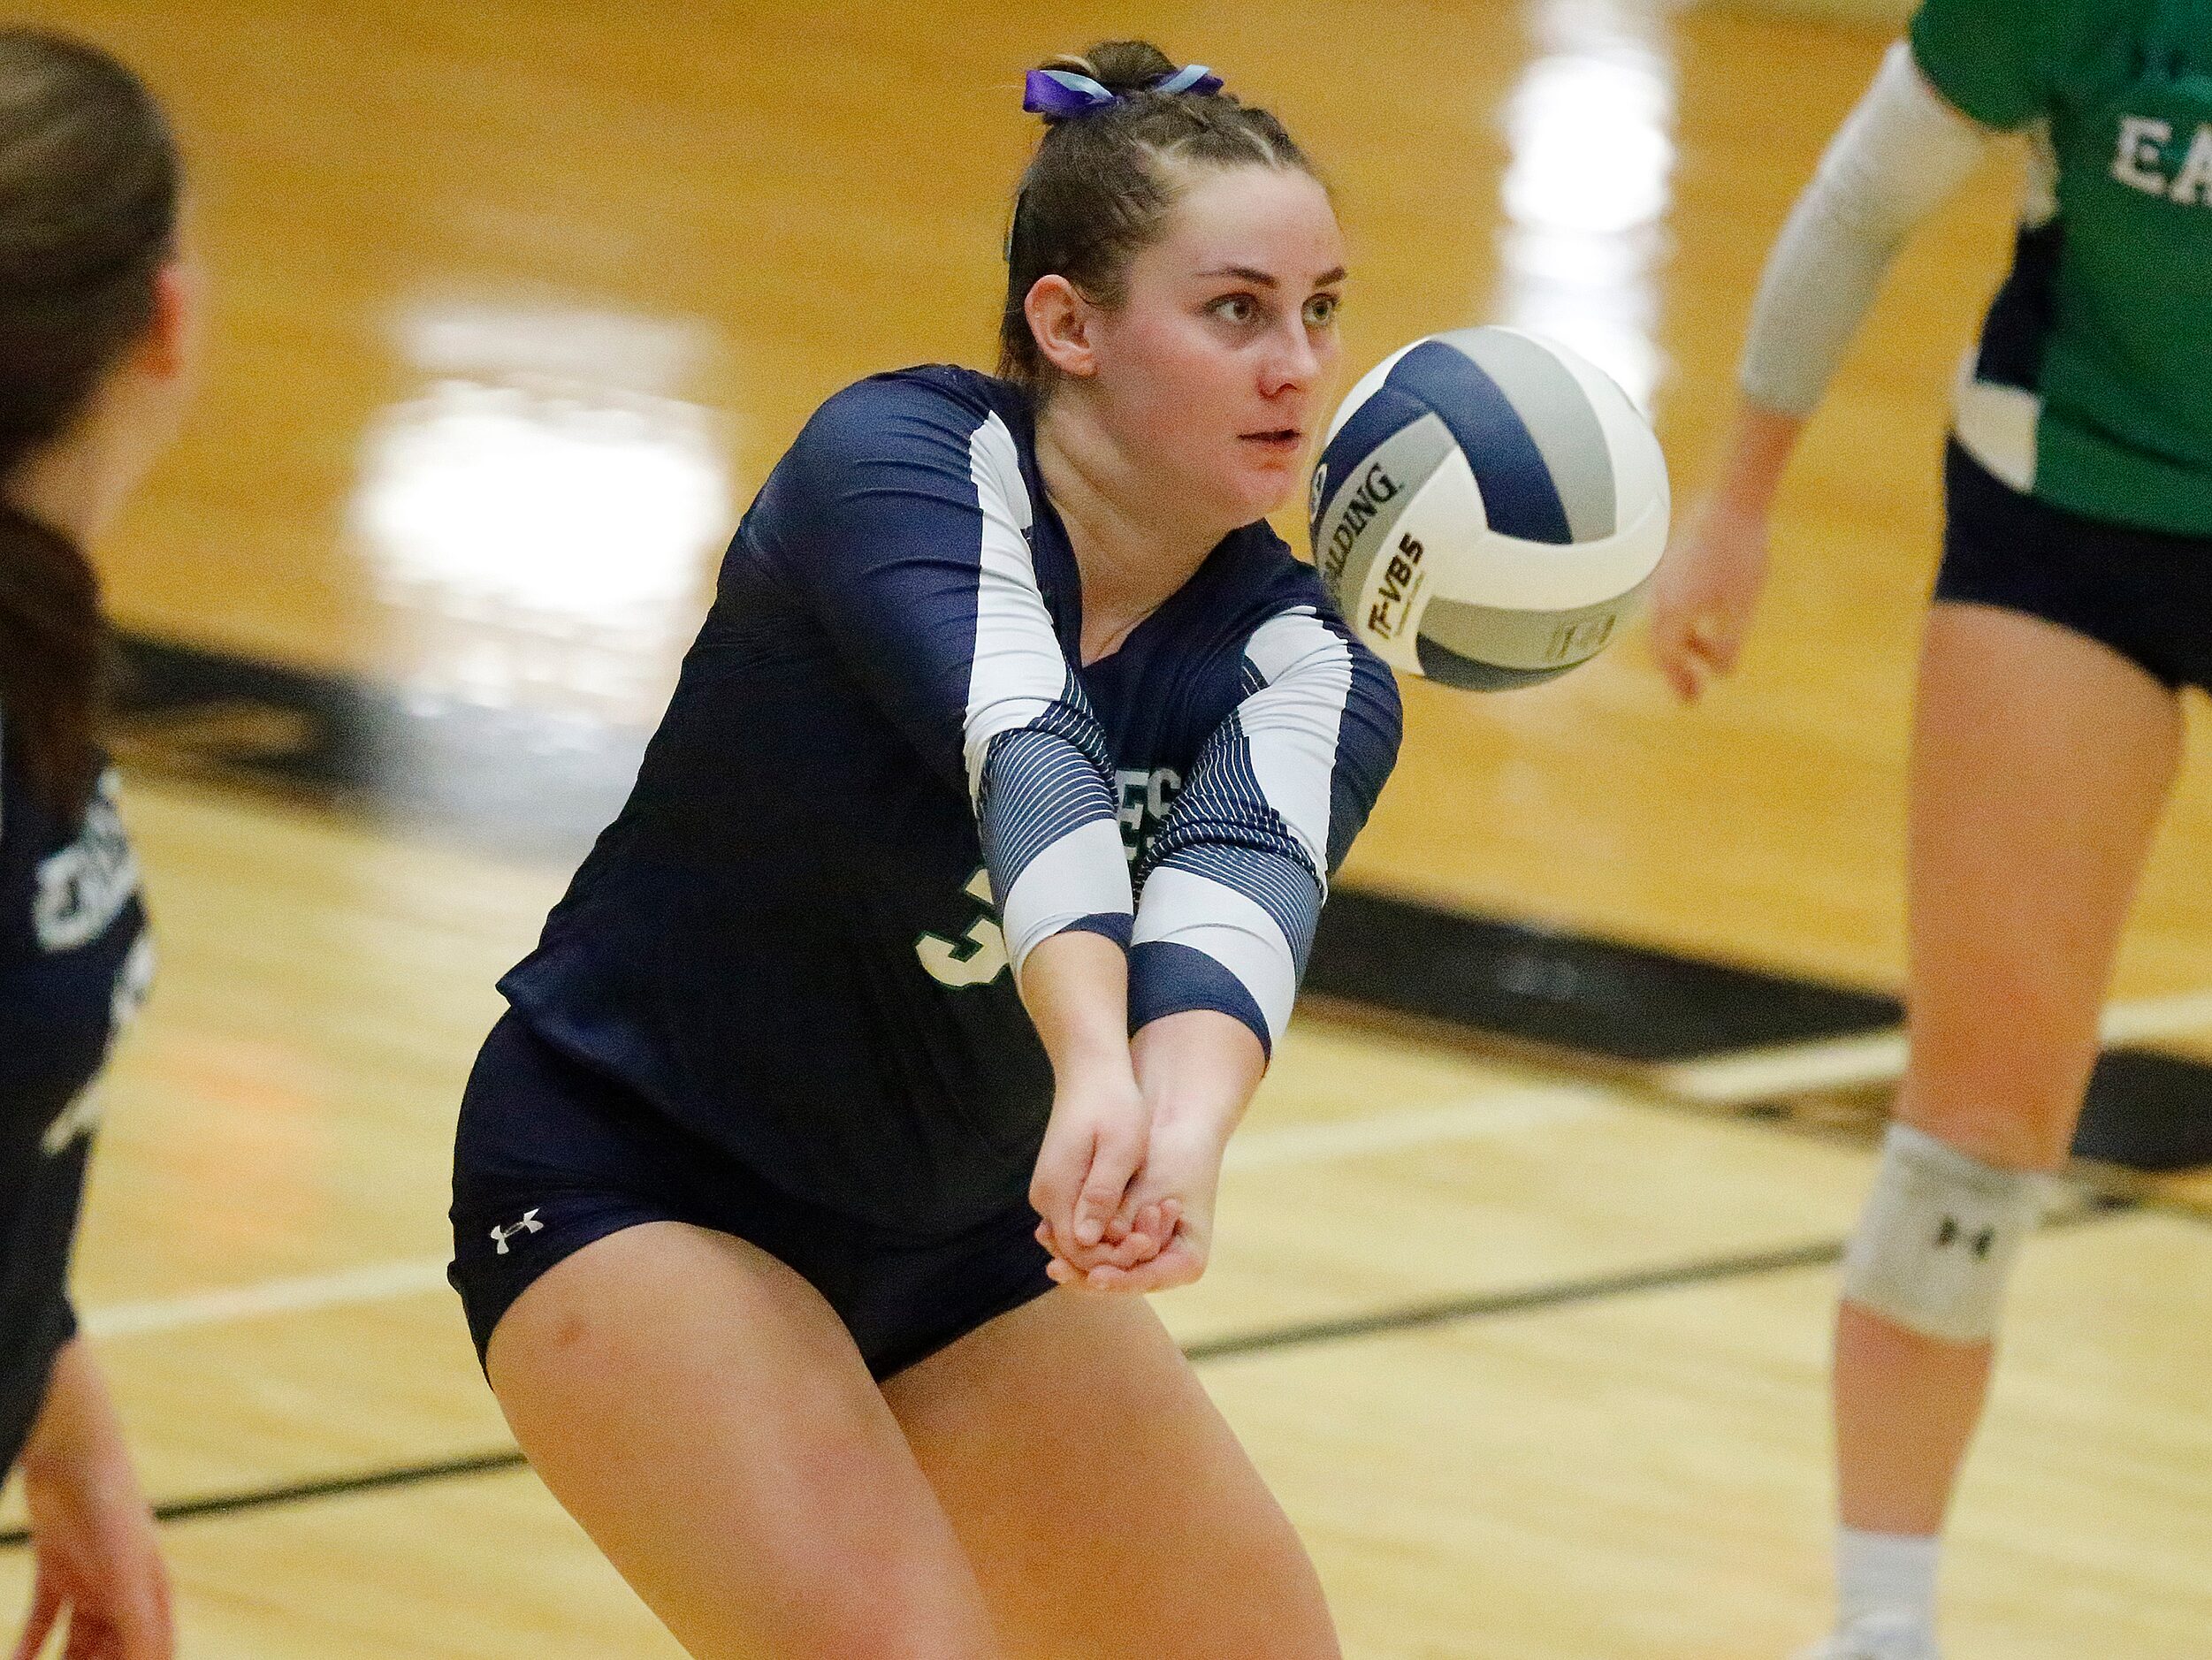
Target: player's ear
1063 324
168 349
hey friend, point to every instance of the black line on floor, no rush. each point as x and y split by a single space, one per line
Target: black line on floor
326 1486
1486 1305
1568 1294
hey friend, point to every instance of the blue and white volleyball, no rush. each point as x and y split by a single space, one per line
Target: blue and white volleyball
1488 508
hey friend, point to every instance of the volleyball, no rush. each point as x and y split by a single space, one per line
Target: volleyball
1487 508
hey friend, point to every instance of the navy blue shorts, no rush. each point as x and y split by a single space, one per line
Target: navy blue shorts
2147 596
551 1156
41 1189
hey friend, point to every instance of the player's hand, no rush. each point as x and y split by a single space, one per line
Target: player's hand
1137 1236
1092 1144
1177 1183
1704 592
97 1572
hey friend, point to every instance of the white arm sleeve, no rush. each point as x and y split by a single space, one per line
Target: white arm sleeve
1901 153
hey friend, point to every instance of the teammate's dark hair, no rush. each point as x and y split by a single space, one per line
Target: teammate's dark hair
1101 183
89 193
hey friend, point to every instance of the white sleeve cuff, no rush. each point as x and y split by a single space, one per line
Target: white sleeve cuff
1183 908
1084 873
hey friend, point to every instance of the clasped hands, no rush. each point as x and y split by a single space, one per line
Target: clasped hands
1124 1187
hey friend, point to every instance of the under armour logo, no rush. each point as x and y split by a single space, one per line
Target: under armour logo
1950 1231
528 1224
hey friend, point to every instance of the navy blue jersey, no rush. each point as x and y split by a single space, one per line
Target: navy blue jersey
75 960
885 777
73 956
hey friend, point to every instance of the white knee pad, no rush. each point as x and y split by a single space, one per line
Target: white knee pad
1936 1242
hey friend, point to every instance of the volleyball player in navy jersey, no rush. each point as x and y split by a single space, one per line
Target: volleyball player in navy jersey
98 354
1013 732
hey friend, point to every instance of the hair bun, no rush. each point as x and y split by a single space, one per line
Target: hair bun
1120 66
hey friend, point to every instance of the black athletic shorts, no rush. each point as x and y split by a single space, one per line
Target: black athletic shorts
551 1156
41 1192
2147 596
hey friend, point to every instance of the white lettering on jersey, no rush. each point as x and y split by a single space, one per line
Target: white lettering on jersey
2194 180
980 955
82 889
2139 161
2142 148
1141 804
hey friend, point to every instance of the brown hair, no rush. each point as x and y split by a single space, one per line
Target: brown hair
88 193
1099 188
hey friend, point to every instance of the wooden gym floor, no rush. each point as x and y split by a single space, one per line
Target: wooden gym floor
516 302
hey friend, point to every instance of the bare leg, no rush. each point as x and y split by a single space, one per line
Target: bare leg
2040 763
696 1407
1107 1506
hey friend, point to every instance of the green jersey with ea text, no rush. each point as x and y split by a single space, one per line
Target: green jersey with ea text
2093 383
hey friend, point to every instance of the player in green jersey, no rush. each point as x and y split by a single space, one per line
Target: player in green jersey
2074 605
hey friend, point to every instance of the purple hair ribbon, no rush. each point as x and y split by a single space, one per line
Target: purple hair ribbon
1195 79
1064 93
1061 92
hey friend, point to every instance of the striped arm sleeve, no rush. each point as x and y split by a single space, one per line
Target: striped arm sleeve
1232 885
1053 846
901 514
1038 769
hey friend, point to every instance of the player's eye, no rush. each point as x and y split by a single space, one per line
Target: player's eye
1237 308
1321 310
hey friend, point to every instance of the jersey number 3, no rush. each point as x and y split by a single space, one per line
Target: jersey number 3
976 959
